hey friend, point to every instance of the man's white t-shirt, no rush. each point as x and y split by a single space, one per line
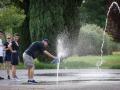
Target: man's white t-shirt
1 48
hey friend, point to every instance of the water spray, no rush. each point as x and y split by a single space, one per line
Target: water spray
58 67
61 50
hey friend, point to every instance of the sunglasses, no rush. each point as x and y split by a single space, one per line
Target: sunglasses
8 38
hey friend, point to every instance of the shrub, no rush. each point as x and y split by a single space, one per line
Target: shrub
90 41
38 65
41 65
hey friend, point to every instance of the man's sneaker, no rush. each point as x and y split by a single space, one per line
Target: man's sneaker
8 77
1 78
32 81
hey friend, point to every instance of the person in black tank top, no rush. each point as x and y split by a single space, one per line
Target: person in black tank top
15 55
8 55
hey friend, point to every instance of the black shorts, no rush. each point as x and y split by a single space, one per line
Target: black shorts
8 57
14 59
1 59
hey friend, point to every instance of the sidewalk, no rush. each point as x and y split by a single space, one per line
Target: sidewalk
102 85
72 79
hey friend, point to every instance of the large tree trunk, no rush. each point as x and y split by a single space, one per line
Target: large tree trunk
25 38
113 26
25 32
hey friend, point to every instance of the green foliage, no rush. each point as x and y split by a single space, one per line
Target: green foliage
90 41
76 62
20 66
11 17
111 61
93 12
39 65
80 62
48 18
45 19
3 3
13 20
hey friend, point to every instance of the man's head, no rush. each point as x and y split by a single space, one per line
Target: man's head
45 42
16 36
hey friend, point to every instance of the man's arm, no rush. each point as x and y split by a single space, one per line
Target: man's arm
48 54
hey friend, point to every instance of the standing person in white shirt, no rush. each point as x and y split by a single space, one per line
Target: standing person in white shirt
1 52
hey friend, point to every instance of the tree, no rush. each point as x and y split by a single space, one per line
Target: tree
71 15
11 17
3 3
24 30
48 18
93 12
15 18
90 41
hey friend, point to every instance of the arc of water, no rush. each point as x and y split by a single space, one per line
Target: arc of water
114 3
101 60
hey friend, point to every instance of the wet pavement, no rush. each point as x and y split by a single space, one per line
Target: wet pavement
69 79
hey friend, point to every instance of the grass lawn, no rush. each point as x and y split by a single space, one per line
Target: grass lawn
38 65
76 62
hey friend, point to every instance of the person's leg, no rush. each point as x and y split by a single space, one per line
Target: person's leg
0 76
1 66
14 71
8 65
1 63
14 64
31 73
28 61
